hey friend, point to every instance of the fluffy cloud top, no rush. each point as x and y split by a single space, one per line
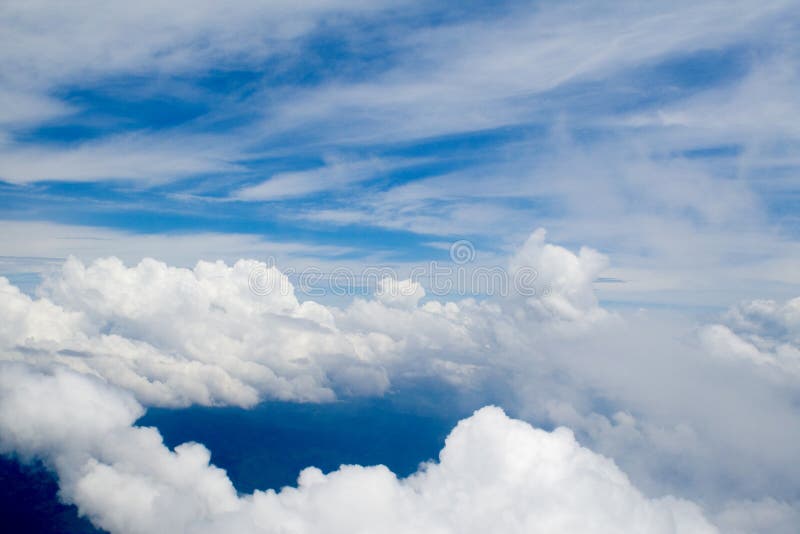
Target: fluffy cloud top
220 334
179 336
403 293
639 389
494 473
564 277
763 332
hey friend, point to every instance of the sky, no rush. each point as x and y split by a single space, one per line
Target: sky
549 250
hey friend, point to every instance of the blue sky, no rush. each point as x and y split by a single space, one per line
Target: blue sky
381 131
161 164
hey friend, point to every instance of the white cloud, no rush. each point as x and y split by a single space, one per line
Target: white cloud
31 246
333 176
763 332
47 44
21 107
645 391
216 334
493 473
682 232
147 158
199 336
760 108
639 388
484 73
47 48
446 78
82 428
403 293
563 277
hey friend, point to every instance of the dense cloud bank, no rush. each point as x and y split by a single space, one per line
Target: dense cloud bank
494 473
177 336
763 332
217 334
703 413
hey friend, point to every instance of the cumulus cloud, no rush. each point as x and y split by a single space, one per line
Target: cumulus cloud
677 418
180 336
636 387
219 334
565 278
762 332
121 476
403 293
493 473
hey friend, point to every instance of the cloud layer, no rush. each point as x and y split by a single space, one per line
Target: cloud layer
763 332
663 134
197 336
652 391
219 334
494 472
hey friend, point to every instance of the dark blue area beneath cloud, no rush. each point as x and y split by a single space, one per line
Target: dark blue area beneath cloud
29 503
267 446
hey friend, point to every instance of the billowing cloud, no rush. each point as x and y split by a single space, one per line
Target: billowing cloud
590 119
640 388
220 334
493 473
563 277
762 332
180 336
